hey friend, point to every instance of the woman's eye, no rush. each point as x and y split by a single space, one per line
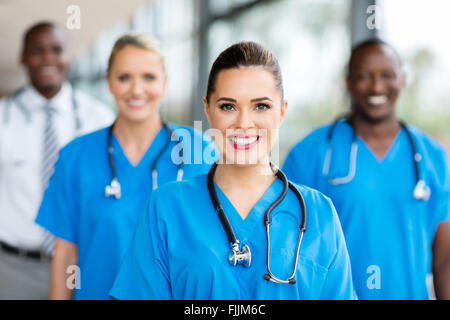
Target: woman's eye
389 75
149 77
226 107
262 107
123 77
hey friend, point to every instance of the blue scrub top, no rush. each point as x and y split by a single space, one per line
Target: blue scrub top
180 248
74 207
389 234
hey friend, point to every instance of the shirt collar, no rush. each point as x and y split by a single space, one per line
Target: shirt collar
34 101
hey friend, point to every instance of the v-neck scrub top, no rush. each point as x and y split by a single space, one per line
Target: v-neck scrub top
389 234
180 248
75 208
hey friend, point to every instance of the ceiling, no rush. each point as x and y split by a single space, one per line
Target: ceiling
17 15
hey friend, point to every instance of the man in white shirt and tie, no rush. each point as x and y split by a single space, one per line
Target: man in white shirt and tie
35 122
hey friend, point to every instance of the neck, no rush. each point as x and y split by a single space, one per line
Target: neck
386 129
136 135
245 177
48 92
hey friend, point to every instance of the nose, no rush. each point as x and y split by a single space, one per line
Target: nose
137 87
48 57
244 120
378 85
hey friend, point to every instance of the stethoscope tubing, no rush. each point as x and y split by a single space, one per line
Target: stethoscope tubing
234 243
154 172
353 155
270 276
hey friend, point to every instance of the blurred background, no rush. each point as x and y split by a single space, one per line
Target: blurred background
311 39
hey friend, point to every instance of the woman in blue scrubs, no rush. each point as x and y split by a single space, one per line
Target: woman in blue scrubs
181 248
102 180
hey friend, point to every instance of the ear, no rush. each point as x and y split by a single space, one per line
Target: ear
22 58
402 79
165 85
206 108
348 83
284 107
108 81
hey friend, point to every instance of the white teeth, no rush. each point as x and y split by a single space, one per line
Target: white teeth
377 99
244 141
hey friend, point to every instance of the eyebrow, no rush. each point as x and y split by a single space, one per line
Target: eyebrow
233 100
261 99
226 99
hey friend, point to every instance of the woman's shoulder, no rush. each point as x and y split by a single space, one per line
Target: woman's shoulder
172 200
321 213
176 126
86 144
312 194
182 130
322 223
180 190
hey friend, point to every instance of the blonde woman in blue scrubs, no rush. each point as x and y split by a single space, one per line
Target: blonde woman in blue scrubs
91 217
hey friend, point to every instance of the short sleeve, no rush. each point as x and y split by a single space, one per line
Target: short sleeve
444 207
144 271
58 210
302 162
338 283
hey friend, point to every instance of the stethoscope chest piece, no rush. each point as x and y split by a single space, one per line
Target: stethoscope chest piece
113 190
238 256
421 191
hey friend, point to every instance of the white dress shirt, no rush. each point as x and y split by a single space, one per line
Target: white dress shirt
21 133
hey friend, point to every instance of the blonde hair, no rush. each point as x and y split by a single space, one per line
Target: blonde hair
138 40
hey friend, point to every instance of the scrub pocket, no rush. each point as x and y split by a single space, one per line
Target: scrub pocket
310 276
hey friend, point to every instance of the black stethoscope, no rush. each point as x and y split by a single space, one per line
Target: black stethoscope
15 98
421 190
114 188
242 255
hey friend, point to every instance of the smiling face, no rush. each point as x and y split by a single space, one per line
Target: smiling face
46 59
375 82
246 110
137 80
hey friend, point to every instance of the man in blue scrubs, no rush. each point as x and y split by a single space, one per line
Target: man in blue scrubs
395 241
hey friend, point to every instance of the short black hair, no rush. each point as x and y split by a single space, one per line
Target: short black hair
368 43
34 28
